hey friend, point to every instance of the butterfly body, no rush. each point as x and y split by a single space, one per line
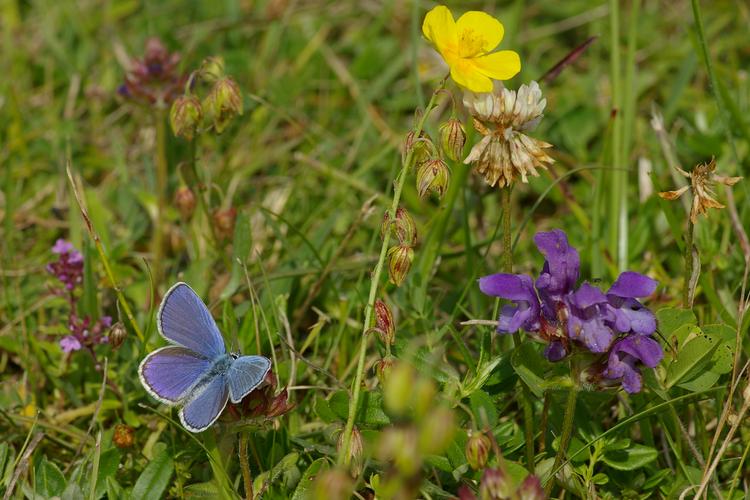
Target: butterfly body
195 370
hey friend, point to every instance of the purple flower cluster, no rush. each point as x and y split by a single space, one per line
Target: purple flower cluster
69 270
614 323
154 79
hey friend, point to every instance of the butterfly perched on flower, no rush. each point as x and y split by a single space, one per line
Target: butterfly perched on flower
195 370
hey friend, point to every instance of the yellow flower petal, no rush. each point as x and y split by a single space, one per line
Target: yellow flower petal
501 65
440 28
478 33
466 75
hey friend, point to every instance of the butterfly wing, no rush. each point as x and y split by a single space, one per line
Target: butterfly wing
168 373
184 319
245 374
204 407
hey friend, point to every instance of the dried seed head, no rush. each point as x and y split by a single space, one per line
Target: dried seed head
185 116
384 325
184 200
496 485
531 489
478 450
117 335
433 176
223 103
399 262
123 436
453 139
403 225
212 68
702 181
224 222
383 368
504 117
355 451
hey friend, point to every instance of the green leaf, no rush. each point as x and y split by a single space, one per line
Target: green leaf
480 377
694 355
108 463
631 458
483 409
48 480
286 463
370 411
209 489
704 381
671 318
303 487
155 477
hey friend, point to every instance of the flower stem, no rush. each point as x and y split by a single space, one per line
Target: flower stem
528 414
161 198
344 457
570 410
687 301
247 478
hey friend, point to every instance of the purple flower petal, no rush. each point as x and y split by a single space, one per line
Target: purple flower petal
632 316
69 344
645 349
591 329
524 313
555 351
631 284
587 296
61 246
562 263
626 354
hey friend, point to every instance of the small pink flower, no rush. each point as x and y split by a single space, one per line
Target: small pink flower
62 246
70 344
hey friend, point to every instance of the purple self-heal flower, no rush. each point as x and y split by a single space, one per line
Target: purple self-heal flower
630 314
61 246
588 318
519 288
69 344
560 271
626 353
69 266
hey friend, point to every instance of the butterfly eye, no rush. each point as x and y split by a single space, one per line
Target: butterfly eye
234 355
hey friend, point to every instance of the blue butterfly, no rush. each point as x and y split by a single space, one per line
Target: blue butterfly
196 371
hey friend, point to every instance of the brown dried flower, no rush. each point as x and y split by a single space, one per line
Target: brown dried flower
504 117
702 180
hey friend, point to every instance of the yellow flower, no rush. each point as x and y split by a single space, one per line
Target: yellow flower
466 46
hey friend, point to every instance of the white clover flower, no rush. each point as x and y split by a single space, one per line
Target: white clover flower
503 117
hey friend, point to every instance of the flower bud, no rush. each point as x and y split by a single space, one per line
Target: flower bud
419 147
399 262
355 451
117 335
224 222
184 199
478 450
452 139
531 489
123 436
403 225
384 325
185 116
223 103
383 369
433 176
212 68
495 485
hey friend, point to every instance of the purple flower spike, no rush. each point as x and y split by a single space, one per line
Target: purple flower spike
560 271
520 289
588 319
630 314
624 356
69 344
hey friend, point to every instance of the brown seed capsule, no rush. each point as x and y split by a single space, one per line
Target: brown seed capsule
212 68
403 226
223 103
384 325
453 139
399 262
496 484
478 450
531 489
224 222
184 200
185 116
117 335
355 451
123 436
433 176
420 148
383 368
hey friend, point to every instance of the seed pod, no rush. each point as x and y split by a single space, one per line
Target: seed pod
531 489
383 369
224 222
117 335
436 430
495 485
398 390
478 450
399 262
355 451
184 200
223 103
433 176
185 116
419 146
452 139
384 325
212 68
